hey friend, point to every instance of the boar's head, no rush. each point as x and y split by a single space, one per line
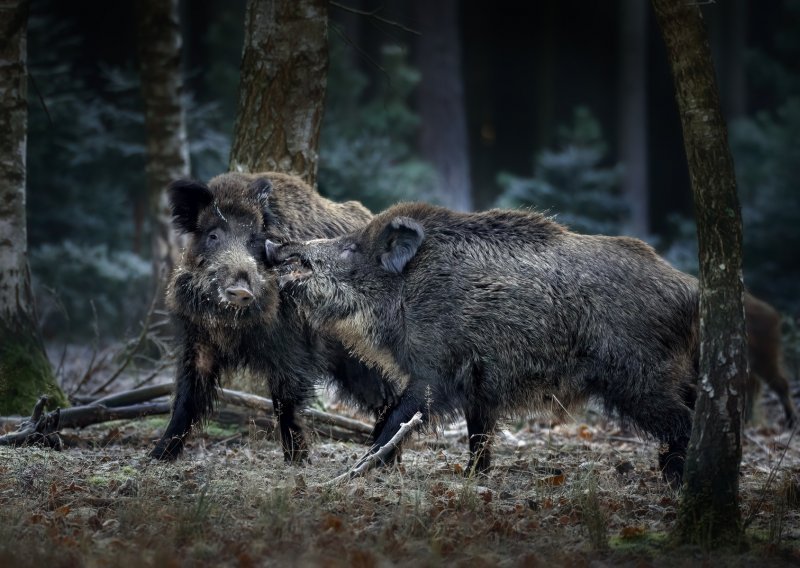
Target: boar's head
222 279
358 273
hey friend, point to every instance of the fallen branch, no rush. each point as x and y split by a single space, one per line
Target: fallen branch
265 404
135 396
82 416
136 404
40 429
372 460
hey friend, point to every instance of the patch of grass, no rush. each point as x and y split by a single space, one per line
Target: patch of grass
594 516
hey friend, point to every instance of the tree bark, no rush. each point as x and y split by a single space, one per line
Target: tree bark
709 513
25 372
632 112
282 89
159 44
443 131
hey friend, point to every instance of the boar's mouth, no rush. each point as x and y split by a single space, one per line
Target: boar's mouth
292 270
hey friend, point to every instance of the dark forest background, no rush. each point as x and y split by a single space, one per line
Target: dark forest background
546 87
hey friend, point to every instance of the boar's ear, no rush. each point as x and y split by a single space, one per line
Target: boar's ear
186 199
261 189
400 239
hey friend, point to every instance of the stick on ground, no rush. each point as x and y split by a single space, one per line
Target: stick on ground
371 461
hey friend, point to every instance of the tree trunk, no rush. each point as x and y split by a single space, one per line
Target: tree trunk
709 512
443 132
632 112
25 372
159 40
282 89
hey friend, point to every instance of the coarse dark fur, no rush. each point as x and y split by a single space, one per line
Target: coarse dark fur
506 312
227 308
765 353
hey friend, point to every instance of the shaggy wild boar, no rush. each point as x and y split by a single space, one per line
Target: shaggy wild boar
764 351
226 305
506 312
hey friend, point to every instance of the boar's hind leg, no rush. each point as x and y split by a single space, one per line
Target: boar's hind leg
195 394
777 381
667 416
480 427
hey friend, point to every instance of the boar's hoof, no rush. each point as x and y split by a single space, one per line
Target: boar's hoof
167 450
477 467
297 451
296 457
672 470
239 296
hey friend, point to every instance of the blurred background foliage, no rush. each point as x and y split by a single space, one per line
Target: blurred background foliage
89 233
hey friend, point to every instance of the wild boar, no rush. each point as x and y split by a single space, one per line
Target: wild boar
227 309
764 351
505 312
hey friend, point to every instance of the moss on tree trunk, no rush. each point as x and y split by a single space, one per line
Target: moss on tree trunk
25 372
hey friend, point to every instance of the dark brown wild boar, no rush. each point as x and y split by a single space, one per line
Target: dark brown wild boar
501 312
764 351
228 312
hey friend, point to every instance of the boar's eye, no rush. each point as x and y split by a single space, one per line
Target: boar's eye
212 238
348 250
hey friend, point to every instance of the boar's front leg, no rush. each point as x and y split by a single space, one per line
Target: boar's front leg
480 427
295 447
405 409
195 395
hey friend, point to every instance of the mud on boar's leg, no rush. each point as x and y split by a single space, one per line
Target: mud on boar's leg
195 395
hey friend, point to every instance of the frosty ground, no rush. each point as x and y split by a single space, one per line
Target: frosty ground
575 491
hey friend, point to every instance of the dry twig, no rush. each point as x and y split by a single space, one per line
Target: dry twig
372 460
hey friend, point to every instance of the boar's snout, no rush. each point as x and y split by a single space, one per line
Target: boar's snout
239 295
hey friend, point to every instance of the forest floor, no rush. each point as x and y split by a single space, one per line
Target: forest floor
575 493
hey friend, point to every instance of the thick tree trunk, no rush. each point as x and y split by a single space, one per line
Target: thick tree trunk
159 40
632 112
443 132
282 89
709 512
25 372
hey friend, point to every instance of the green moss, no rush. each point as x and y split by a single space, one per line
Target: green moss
217 430
25 372
647 543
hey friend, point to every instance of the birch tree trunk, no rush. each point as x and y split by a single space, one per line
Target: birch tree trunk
25 372
159 43
709 512
632 112
443 130
282 89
